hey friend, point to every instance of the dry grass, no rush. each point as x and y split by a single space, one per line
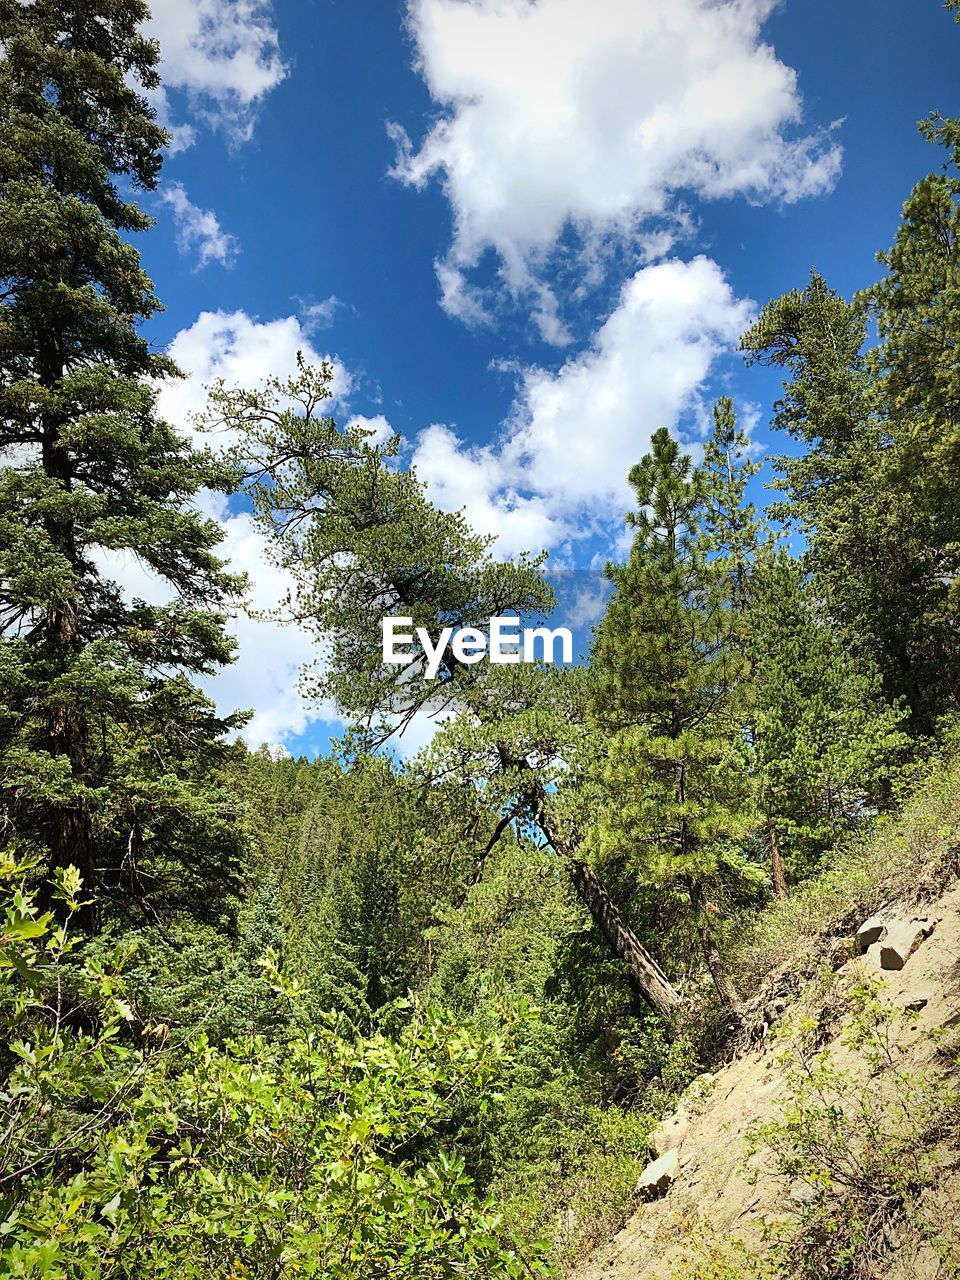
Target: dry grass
912 856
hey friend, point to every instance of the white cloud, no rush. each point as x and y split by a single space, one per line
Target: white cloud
224 55
557 470
320 315
483 481
199 230
270 656
578 431
574 434
598 117
378 426
244 351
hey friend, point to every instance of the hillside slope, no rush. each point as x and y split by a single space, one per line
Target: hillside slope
830 1147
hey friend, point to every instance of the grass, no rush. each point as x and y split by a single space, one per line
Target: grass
909 856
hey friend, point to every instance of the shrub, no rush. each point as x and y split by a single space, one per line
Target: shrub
320 1156
862 1140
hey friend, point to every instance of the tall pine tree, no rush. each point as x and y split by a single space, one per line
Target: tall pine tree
875 491
669 691
108 754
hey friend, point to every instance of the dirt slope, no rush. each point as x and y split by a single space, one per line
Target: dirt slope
722 1192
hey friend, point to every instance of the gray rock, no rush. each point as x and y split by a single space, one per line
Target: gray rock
901 941
916 1001
658 1176
670 1133
870 931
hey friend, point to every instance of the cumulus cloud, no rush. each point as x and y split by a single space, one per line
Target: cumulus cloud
578 431
243 351
574 434
378 427
269 656
599 118
556 470
224 55
484 482
199 230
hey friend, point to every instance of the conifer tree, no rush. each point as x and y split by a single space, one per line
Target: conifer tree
875 493
825 743
363 541
108 755
731 525
669 691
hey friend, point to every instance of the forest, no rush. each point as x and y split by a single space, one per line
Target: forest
358 1017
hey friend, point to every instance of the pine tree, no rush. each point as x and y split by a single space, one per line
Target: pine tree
874 493
109 753
669 690
363 541
825 742
733 529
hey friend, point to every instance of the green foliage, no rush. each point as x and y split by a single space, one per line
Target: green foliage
730 1260
915 850
110 758
560 1159
826 744
734 534
363 542
862 1139
585 1190
322 1156
669 693
268 1073
871 491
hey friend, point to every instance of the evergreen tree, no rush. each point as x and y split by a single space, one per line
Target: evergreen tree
109 754
825 742
874 492
733 530
363 541
669 691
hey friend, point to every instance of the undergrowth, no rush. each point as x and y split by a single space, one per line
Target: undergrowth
862 1133
914 852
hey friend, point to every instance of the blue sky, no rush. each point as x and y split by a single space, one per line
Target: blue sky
529 234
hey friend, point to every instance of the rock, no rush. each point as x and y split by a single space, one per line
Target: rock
670 1133
870 931
901 941
914 1002
658 1176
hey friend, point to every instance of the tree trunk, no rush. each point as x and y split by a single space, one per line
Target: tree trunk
647 976
722 981
70 836
776 861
